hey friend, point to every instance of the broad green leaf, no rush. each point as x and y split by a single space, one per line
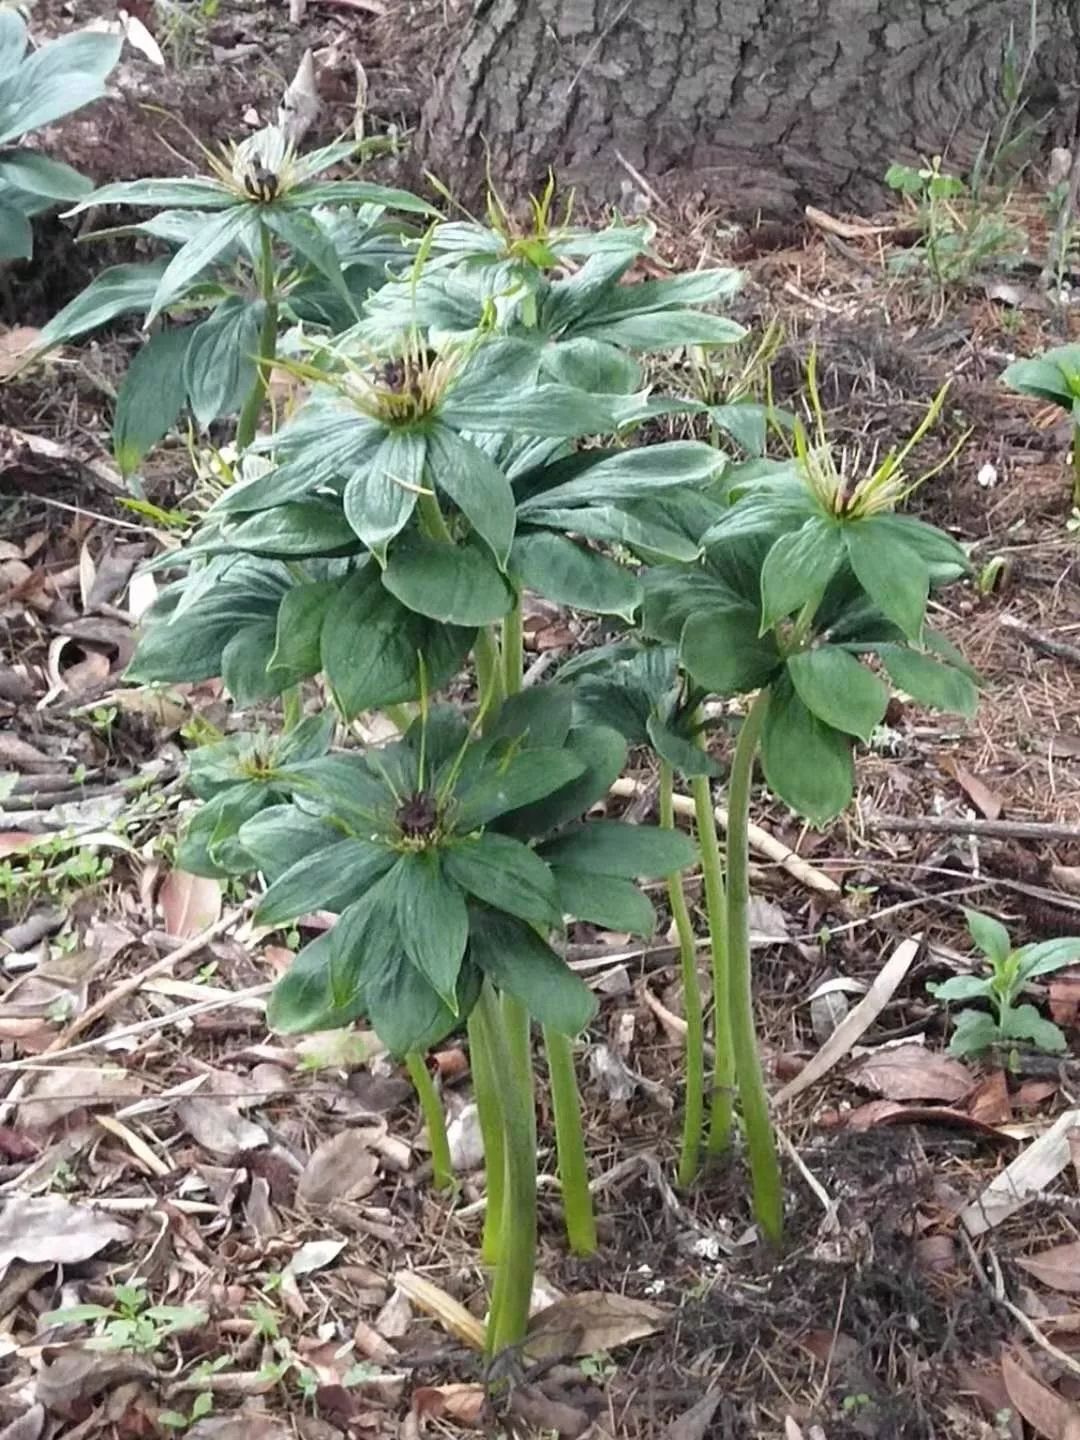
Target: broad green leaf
973 1032
724 651
328 879
197 193
38 175
1047 956
306 741
633 474
298 647
12 41
989 935
840 691
323 987
343 789
962 987
55 80
516 960
405 1011
476 486
293 530
244 662
210 845
433 921
356 192
371 647
605 900
798 567
639 528
928 682
114 292
16 235
151 396
189 262
593 366
520 779
303 234
539 715
460 584
684 757
219 368
570 574
532 409
381 496
944 558
806 762
281 836
599 754
611 847
664 330
507 875
1041 377
895 576
1023 1022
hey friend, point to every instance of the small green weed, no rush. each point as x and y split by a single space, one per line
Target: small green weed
131 1322
1010 970
958 235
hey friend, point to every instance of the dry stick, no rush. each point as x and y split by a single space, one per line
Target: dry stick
996 1290
990 829
1038 640
761 840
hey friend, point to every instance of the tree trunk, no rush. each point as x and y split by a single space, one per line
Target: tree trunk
764 104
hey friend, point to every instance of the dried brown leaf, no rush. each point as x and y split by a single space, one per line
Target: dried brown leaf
78 1375
189 903
694 1424
12 841
990 1102
240 1425
341 1168
988 802
593 1320
50 1228
1048 1414
899 1112
1023 1178
315 1255
912 1072
545 1415
75 1087
218 1129
1058 1267
16 345
463 1404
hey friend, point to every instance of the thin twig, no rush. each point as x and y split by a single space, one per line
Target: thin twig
1037 639
960 825
996 1289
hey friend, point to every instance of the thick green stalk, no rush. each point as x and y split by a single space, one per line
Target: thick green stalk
712 869
753 1098
486 1092
489 674
513 647
292 705
249 415
1076 465
505 1029
434 1119
570 1142
694 1111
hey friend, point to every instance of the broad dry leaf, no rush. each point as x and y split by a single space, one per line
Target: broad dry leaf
76 1376
899 1112
464 1404
593 1320
1058 1267
1048 1414
48 1228
341 1168
434 1301
315 1255
544 1414
189 903
75 1087
989 1102
27 1426
856 1024
694 1424
12 841
218 1129
240 1425
911 1072
1024 1178
988 802
16 345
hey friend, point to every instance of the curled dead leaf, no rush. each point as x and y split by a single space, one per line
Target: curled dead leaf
912 1072
340 1168
464 1404
76 1375
1058 1267
51 1229
189 903
591 1321
1049 1414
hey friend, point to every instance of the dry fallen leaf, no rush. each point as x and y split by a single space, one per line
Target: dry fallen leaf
50 1228
1058 1267
68 1088
189 903
1024 1178
240 1424
315 1255
988 802
590 1321
463 1404
989 1102
15 345
898 1112
27 1426
218 1129
694 1424
1048 1414
341 1168
434 1301
545 1415
78 1375
911 1072
12 841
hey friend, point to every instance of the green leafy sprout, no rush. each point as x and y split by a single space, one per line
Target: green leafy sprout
1054 376
1010 970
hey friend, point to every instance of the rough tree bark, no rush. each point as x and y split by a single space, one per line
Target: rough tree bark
766 104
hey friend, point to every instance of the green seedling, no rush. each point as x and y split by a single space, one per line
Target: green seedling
1054 376
201 1406
131 1322
1009 971
958 235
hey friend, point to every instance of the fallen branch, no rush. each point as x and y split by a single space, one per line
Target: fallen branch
961 825
1039 640
764 843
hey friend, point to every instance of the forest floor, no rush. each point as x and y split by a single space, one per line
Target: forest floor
151 1128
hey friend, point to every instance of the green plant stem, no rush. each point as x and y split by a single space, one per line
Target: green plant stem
720 1107
694 1111
399 715
434 1119
292 703
486 1093
506 1034
489 675
513 647
1076 465
432 518
753 1098
249 415
570 1142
